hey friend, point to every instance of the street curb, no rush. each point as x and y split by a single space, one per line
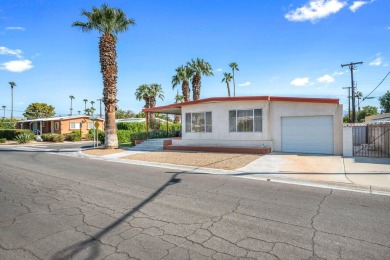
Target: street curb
261 176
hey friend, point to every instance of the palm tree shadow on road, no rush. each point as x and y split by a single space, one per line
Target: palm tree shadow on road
93 242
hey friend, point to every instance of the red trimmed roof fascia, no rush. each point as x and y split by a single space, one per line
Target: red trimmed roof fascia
246 98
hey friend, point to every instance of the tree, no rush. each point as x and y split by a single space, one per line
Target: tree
3 111
71 104
85 105
123 114
385 102
227 78
183 75
12 84
109 22
39 110
92 102
358 95
155 91
234 67
200 67
142 93
178 99
366 111
149 93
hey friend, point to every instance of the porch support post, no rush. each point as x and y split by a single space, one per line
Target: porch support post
167 123
147 124
40 127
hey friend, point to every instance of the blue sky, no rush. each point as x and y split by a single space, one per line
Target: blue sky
283 48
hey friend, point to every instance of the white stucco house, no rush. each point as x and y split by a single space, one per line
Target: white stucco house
284 124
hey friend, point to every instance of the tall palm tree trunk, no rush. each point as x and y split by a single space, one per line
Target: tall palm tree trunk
196 84
185 88
234 84
12 102
109 70
228 88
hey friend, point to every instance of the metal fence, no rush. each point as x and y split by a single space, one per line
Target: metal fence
371 140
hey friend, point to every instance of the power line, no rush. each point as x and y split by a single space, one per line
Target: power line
376 86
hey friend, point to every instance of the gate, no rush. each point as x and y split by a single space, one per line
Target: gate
371 140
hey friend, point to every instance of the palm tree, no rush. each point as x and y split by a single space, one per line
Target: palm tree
142 93
227 78
3 111
109 22
92 109
178 99
71 104
234 67
92 102
85 105
79 112
358 95
183 76
155 91
149 93
12 84
200 67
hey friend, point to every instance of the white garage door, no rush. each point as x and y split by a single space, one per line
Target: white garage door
308 134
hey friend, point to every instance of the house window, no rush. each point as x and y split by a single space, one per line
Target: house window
57 125
75 126
199 122
245 120
90 125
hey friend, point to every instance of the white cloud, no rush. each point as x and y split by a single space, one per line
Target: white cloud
17 28
245 84
338 73
6 51
378 61
17 65
357 4
325 79
315 10
300 82
218 70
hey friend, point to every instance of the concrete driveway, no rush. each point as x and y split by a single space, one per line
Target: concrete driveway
335 169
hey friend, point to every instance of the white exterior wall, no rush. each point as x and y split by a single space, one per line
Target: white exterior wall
279 109
220 135
347 141
272 113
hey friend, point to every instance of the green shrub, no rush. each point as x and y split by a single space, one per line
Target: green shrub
3 140
52 138
74 136
10 134
124 136
101 135
137 136
25 137
134 127
58 138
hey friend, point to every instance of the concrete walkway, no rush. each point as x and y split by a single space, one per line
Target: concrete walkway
370 175
373 173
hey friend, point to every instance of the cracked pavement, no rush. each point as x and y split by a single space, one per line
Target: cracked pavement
57 207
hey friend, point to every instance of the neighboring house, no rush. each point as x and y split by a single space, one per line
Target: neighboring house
379 117
61 125
284 124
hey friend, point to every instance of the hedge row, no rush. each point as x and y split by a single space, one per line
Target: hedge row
10 134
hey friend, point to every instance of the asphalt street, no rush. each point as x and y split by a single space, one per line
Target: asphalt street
61 207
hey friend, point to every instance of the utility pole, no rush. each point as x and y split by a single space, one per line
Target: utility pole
352 68
100 114
349 103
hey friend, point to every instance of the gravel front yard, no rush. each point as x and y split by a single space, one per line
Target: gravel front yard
226 161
